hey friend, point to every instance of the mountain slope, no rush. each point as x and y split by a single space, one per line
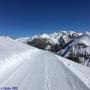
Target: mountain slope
34 69
78 50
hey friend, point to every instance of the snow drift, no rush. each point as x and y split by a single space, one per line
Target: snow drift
28 68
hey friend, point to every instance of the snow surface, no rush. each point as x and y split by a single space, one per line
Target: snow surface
83 72
28 68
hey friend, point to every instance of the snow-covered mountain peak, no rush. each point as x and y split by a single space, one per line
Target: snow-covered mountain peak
88 33
84 39
44 36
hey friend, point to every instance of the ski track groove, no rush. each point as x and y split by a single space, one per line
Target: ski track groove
46 79
10 75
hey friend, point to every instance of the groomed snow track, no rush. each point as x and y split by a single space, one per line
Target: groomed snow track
40 71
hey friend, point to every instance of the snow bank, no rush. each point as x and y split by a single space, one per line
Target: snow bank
83 72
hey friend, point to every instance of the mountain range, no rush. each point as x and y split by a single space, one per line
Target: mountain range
69 44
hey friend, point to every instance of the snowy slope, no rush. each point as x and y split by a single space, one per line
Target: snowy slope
84 39
79 49
78 42
28 68
81 71
11 49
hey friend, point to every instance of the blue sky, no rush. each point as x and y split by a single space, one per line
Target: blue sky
30 17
